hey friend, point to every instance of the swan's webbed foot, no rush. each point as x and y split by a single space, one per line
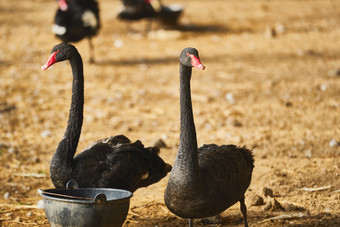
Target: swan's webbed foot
217 219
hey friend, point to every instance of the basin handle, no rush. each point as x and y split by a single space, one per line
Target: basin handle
100 198
72 184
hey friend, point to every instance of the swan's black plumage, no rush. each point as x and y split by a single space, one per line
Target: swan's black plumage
140 9
113 162
78 21
204 181
136 10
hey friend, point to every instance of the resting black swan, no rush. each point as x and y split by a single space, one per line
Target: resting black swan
136 10
113 162
77 19
204 181
140 9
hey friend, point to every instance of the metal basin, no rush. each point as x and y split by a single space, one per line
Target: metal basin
99 207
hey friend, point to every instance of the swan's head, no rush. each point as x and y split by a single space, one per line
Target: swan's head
189 57
60 52
157 169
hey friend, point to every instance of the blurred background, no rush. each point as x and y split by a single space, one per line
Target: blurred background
272 83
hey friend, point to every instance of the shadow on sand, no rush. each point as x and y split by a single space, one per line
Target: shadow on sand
128 62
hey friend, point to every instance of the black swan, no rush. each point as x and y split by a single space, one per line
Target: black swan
204 181
136 10
113 162
77 19
152 9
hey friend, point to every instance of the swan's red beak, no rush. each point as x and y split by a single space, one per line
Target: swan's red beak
196 62
50 61
62 5
201 67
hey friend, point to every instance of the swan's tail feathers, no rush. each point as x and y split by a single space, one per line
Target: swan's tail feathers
248 155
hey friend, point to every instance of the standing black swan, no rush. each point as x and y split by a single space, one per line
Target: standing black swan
113 162
204 181
77 19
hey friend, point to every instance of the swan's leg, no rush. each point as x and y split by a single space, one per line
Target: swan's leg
130 28
148 26
91 60
244 211
190 222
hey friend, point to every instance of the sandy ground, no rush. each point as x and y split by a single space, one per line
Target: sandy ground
272 83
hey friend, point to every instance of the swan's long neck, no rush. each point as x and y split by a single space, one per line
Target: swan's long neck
186 164
68 145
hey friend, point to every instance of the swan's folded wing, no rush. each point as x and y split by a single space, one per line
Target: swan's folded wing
226 164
